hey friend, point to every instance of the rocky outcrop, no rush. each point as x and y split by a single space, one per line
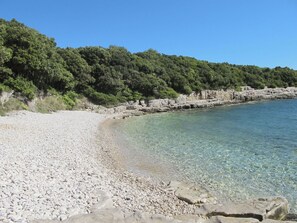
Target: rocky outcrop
255 211
191 193
203 99
5 96
221 219
263 208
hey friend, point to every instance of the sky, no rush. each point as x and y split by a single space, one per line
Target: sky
248 32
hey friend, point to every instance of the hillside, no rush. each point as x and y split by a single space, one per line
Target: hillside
32 65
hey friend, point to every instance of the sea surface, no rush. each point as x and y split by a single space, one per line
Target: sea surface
237 152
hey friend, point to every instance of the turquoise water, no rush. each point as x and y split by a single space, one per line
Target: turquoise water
238 152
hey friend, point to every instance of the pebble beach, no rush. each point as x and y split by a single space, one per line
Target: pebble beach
54 166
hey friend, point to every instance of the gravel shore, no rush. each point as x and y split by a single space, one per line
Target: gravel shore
54 166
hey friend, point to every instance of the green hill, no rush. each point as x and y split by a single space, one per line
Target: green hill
31 64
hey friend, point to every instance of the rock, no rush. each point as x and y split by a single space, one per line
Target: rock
221 219
142 217
114 215
44 221
276 221
104 201
262 208
102 216
5 96
192 218
62 217
190 193
119 109
291 217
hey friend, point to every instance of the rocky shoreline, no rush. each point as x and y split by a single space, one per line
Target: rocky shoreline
61 167
203 99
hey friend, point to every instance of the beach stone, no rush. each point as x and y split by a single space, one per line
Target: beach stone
44 221
261 208
102 216
191 218
276 221
291 217
190 193
222 219
142 217
104 201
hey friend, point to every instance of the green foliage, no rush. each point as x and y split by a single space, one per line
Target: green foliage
187 89
77 66
50 104
4 88
69 99
30 63
12 104
168 93
35 57
100 98
23 86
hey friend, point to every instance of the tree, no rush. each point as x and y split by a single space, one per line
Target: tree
77 66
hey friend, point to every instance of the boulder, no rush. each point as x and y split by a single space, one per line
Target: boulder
276 221
191 193
262 208
222 219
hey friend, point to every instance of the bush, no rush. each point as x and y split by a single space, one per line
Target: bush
187 89
70 99
168 93
50 104
22 85
238 88
103 99
12 104
4 88
81 103
100 98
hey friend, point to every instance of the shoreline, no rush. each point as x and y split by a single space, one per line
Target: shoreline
203 99
116 187
56 166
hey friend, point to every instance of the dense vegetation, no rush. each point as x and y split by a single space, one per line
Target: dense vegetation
31 64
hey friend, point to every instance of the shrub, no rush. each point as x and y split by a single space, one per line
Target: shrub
103 99
50 104
100 98
238 88
12 104
70 99
187 89
81 103
168 93
22 85
4 88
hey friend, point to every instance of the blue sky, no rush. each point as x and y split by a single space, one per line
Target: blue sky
255 32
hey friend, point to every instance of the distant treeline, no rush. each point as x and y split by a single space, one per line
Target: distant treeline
31 63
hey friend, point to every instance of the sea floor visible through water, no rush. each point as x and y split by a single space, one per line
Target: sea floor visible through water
237 152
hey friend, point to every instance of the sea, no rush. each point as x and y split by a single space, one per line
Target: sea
237 152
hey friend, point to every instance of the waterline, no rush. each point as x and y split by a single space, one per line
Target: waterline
237 152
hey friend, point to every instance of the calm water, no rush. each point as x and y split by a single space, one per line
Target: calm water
238 152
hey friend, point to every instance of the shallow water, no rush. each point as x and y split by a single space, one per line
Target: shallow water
238 152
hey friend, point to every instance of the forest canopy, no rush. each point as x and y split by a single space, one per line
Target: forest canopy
31 64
